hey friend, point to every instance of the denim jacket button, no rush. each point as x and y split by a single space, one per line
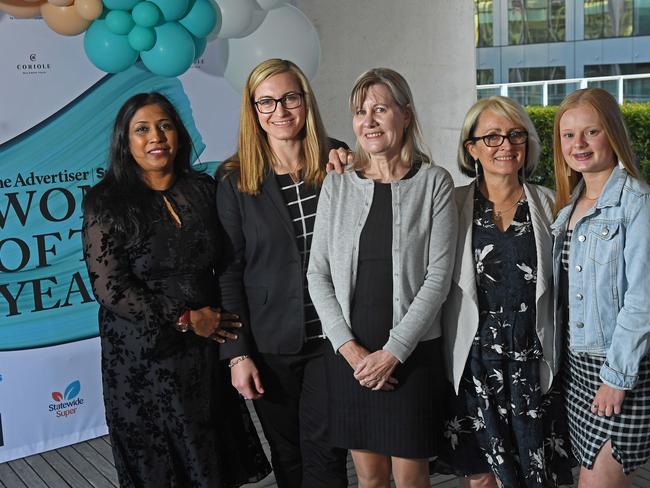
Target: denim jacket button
580 325
578 296
605 231
578 268
582 238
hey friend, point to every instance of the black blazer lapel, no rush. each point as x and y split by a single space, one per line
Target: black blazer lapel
272 192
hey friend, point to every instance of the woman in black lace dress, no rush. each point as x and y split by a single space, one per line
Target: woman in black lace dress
152 250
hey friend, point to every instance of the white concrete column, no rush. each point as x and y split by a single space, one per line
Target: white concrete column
430 42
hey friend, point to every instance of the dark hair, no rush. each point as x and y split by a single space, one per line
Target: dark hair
122 196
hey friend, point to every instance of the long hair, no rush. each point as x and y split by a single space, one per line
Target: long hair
122 195
254 156
505 107
412 145
611 118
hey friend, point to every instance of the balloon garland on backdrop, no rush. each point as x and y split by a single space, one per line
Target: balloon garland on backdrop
169 35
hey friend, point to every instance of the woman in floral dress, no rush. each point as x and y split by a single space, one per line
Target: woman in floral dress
505 422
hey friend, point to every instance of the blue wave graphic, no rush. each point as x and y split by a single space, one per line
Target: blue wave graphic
45 294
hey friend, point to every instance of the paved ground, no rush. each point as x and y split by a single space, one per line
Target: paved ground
90 465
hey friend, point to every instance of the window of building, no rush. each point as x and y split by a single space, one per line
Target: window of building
541 73
616 18
484 76
634 90
533 95
608 18
483 28
534 21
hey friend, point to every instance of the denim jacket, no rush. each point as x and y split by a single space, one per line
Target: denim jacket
609 277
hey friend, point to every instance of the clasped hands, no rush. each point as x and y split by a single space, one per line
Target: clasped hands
214 324
372 370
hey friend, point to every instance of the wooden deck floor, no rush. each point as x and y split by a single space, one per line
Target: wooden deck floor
90 465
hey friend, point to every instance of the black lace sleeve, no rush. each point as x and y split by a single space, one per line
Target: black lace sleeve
145 306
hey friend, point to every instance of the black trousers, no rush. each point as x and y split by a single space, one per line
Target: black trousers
293 414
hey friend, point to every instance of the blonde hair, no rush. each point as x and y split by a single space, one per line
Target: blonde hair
254 157
611 118
412 146
505 107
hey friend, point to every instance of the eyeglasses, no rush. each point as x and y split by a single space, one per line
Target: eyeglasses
515 137
268 105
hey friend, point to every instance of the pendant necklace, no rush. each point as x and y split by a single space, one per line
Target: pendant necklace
497 215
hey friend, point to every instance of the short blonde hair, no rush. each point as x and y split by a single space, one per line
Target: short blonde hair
505 107
254 156
611 118
412 146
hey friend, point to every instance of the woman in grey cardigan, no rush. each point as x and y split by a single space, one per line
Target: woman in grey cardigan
501 345
378 275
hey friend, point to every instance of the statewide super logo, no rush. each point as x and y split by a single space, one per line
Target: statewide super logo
68 402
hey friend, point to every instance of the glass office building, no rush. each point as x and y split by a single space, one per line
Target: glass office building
534 40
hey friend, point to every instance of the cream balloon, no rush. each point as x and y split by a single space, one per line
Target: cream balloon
89 9
64 20
285 33
22 9
61 3
236 15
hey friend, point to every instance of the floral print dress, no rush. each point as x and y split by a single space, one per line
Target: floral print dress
500 421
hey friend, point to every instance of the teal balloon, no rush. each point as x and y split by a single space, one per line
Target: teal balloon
119 22
108 51
120 4
146 14
199 46
201 18
173 9
173 52
142 38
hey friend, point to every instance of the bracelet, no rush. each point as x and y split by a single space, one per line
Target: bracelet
184 323
237 360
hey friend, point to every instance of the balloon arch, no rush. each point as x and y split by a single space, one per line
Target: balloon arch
169 35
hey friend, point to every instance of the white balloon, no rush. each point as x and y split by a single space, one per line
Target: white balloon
236 16
270 4
285 33
61 3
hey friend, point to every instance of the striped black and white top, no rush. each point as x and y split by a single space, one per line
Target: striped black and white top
302 201
566 248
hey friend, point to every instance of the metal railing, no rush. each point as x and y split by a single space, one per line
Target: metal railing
625 88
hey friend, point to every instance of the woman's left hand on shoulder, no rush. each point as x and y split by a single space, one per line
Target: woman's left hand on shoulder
376 369
608 401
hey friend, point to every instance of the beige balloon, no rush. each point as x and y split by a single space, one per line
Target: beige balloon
64 20
89 9
61 3
21 9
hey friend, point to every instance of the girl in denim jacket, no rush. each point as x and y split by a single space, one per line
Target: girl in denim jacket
602 274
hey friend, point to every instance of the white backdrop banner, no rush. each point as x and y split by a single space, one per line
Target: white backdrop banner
56 113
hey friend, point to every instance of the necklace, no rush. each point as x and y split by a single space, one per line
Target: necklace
497 215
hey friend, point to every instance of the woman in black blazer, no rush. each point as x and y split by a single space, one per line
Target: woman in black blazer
266 198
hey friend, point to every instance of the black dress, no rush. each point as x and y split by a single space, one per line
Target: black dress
173 418
405 422
500 421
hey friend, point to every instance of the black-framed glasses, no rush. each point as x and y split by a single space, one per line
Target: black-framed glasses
515 137
268 105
